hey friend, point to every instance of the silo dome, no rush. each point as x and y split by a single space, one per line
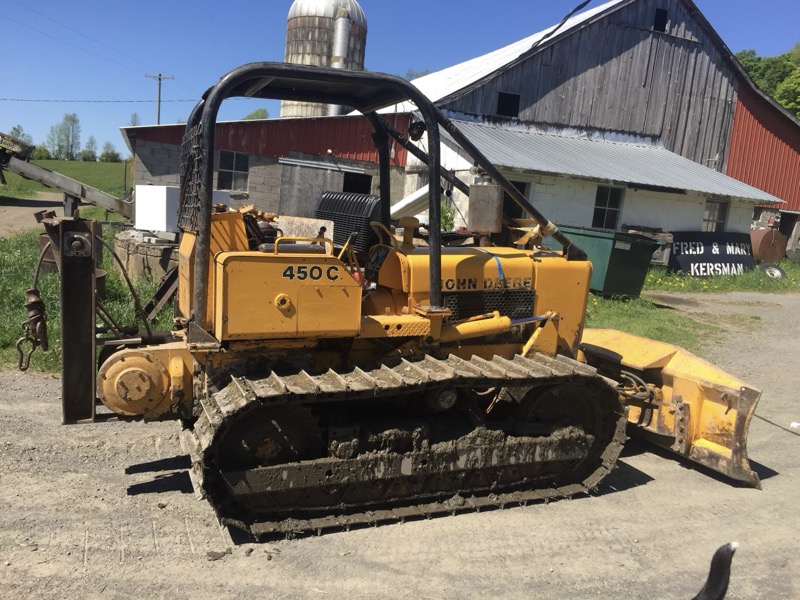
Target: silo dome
327 8
324 33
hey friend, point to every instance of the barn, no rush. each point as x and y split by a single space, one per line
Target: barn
633 113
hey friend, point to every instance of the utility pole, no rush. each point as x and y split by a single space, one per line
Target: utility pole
159 77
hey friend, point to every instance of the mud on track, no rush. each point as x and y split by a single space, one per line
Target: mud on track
106 510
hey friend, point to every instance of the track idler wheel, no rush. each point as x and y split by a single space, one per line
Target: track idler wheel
269 435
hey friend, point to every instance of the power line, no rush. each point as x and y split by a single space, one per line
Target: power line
90 101
80 33
177 79
70 44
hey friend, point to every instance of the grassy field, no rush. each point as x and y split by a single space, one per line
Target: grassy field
107 177
18 257
644 317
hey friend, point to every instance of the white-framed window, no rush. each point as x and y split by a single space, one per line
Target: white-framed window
233 171
716 215
607 207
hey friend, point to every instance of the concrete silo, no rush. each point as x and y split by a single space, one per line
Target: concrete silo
325 33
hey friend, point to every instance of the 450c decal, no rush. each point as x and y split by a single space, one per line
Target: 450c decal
314 273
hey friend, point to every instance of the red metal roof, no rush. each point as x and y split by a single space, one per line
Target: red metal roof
765 148
348 137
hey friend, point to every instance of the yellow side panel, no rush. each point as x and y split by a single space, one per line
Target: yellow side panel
387 326
394 272
227 234
471 269
185 274
562 286
267 296
637 352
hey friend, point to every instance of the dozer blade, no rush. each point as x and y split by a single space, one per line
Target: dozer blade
678 401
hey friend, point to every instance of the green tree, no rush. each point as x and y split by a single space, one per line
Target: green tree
41 153
89 152
64 139
773 70
448 216
109 153
777 76
412 74
19 133
749 60
788 92
794 54
260 113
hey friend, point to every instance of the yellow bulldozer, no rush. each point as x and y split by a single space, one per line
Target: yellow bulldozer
360 377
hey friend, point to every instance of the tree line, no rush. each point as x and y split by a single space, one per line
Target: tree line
777 76
64 142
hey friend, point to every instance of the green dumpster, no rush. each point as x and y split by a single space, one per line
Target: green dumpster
619 260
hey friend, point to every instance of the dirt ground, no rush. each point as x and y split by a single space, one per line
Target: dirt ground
107 511
16 215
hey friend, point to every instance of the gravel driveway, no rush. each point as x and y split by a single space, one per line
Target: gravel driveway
106 510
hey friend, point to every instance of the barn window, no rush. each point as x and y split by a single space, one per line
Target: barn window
234 170
510 208
358 183
716 216
507 104
660 20
607 206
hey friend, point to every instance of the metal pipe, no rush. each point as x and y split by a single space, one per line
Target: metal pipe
381 141
341 43
472 329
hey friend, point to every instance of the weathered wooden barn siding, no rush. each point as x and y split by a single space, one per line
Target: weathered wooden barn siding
617 74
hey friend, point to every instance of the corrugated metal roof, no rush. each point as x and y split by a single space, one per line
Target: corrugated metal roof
620 163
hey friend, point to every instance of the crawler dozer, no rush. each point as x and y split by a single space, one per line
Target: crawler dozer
354 376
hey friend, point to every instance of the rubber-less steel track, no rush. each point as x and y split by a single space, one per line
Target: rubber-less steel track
485 468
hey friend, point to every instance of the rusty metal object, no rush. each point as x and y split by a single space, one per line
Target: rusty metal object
34 328
769 245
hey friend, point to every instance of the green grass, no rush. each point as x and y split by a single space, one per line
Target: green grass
643 317
18 257
107 177
660 280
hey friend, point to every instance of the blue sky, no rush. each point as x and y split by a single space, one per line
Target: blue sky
101 51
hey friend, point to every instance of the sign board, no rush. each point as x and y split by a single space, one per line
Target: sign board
704 254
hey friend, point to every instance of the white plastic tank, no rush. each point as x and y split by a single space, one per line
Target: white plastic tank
325 33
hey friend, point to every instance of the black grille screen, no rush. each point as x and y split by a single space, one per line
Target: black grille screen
192 192
350 213
516 304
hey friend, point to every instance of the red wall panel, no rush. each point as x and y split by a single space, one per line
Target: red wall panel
765 148
348 137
